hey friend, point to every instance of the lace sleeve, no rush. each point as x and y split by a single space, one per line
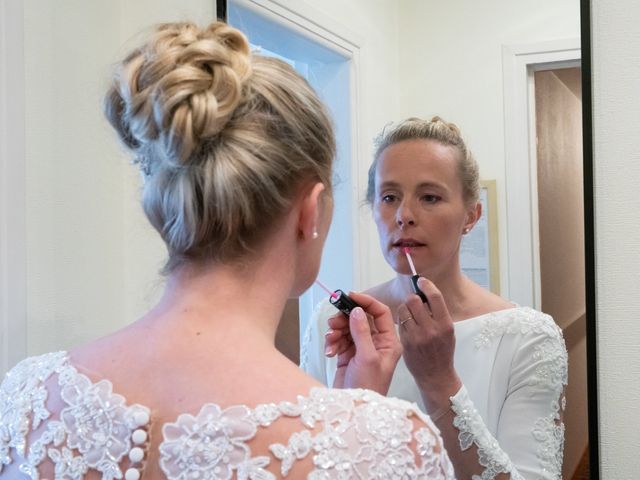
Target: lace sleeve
55 421
360 434
530 435
312 358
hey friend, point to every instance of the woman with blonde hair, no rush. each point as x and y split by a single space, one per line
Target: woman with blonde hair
236 152
491 374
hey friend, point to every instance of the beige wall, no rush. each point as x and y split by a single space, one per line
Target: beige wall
560 193
92 261
561 218
616 123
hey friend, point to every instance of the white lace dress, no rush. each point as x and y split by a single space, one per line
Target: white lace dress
346 433
513 365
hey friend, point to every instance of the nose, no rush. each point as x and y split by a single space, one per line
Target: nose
404 215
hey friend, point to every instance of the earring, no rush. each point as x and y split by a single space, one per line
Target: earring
314 235
465 231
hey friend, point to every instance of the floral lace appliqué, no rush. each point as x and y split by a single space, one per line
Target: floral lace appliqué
358 434
549 433
522 320
210 445
22 402
344 433
473 431
94 430
550 375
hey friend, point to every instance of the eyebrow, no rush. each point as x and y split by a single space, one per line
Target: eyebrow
392 184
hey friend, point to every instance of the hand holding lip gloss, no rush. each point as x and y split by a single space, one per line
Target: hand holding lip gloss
345 303
339 299
415 277
366 354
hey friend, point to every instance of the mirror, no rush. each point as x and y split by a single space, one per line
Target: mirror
510 75
84 260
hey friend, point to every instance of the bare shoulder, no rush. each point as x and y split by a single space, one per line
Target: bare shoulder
381 292
495 302
107 354
482 301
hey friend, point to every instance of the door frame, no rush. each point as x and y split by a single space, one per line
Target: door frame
519 62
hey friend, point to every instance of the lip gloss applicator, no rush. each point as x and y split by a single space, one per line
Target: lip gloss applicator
415 277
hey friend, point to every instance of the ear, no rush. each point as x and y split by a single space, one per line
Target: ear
474 213
310 205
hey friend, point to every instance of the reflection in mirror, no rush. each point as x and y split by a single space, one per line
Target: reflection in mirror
449 60
91 257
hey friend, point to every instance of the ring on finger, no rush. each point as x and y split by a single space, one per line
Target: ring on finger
402 322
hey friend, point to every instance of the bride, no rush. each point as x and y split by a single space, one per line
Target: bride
236 151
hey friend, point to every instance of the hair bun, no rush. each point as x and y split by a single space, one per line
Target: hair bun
179 90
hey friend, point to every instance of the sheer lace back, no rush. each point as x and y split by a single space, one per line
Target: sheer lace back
342 433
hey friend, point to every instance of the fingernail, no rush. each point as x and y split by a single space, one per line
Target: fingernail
329 332
358 313
327 351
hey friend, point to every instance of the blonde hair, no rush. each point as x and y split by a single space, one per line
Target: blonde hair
435 129
225 139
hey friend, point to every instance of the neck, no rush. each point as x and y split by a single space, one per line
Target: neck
228 303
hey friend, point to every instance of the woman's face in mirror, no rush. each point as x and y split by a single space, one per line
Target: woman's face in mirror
418 203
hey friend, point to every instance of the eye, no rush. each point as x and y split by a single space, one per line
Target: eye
429 198
388 198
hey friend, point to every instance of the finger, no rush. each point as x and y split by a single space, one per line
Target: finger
369 304
382 319
406 325
361 334
338 346
344 358
337 340
404 317
334 334
418 310
439 310
339 322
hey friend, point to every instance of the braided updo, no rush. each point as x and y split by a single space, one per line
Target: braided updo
442 132
223 138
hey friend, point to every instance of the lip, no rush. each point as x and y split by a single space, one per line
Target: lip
407 242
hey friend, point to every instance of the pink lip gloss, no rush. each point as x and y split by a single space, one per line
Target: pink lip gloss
415 277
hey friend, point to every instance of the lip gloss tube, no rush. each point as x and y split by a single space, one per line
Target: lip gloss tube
414 278
345 304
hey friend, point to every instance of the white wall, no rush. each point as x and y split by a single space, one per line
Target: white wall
74 179
451 65
92 261
616 123
13 273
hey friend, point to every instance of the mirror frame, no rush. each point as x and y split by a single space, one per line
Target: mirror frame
589 241
589 232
